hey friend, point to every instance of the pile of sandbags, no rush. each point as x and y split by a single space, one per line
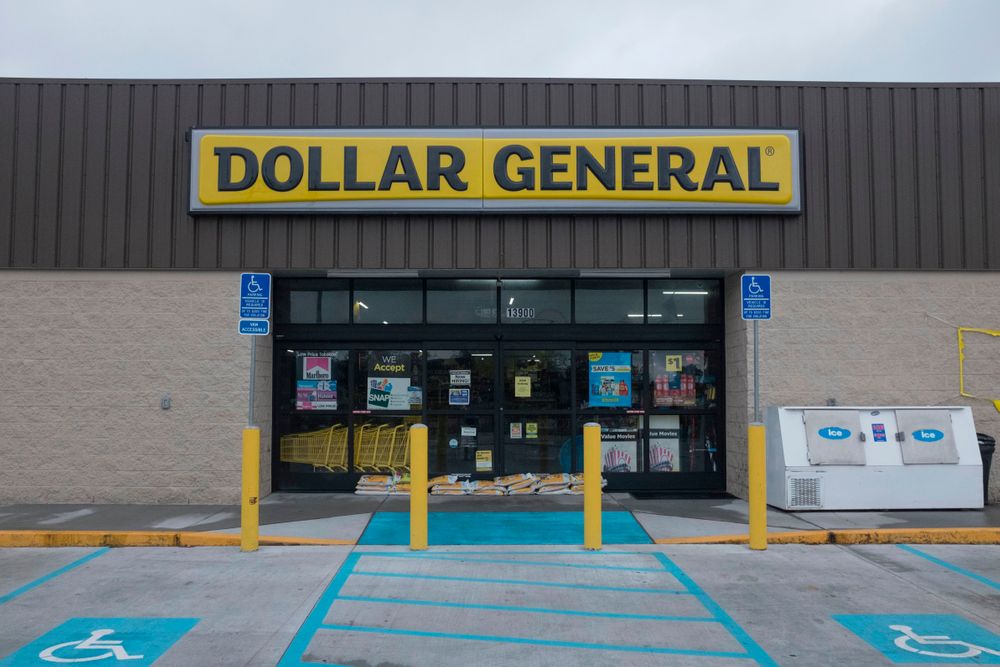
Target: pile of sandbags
508 485
515 485
576 483
375 485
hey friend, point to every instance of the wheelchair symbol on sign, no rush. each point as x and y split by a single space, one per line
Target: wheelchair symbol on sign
904 642
111 648
253 286
753 287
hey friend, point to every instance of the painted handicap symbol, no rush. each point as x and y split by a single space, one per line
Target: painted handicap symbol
925 638
903 642
134 642
109 648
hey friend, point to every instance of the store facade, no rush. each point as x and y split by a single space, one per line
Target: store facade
502 260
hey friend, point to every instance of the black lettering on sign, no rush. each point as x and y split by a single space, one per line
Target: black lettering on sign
586 162
527 174
400 156
722 157
267 168
630 168
451 173
666 170
351 181
226 155
548 167
316 181
753 171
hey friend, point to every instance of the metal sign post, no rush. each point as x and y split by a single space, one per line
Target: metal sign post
255 309
755 293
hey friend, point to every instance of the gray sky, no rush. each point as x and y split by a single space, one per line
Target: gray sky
866 40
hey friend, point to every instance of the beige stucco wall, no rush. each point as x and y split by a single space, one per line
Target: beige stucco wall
86 357
864 338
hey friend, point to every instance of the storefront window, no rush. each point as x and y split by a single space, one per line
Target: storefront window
538 443
609 380
461 444
683 443
461 301
328 305
535 302
609 302
388 302
320 380
389 381
460 379
537 379
316 443
683 302
683 378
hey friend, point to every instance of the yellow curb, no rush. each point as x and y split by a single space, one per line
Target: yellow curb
144 538
861 536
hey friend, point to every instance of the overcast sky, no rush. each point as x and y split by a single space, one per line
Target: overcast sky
866 40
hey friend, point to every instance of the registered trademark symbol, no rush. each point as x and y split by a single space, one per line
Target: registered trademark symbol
769 150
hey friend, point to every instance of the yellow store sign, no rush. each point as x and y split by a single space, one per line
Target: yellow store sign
497 170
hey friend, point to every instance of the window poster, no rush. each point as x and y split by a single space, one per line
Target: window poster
458 396
619 447
664 443
460 378
531 430
522 386
516 432
484 460
389 380
316 395
677 376
317 368
610 379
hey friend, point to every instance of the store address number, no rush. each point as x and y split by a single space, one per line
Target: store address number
520 313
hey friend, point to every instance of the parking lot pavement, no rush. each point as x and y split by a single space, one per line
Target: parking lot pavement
636 605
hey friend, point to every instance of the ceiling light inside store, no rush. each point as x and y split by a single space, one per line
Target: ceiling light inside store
362 304
482 354
635 314
691 293
680 314
511 302
656 315
384 322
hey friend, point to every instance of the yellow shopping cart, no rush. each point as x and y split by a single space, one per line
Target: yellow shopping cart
366 439
324 448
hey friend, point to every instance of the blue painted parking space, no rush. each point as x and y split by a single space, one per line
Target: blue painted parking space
500 528
21 590
137 642
925 638
965 572
640 603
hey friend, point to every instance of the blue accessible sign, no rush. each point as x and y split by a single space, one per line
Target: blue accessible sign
255 327
255 296
756 296
137 642
925 638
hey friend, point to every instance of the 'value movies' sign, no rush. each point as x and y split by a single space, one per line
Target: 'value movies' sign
692 170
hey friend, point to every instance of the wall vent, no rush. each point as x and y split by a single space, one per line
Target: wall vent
803 493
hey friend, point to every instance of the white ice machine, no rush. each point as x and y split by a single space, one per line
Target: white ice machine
874 458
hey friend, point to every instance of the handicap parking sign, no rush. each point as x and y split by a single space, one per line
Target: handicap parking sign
925 638
135 642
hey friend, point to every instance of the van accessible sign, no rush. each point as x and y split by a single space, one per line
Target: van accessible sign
406 170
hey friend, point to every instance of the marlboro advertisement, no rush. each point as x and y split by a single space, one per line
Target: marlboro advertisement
315 388
618 449
388 380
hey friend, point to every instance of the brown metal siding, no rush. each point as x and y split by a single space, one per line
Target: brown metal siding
95 175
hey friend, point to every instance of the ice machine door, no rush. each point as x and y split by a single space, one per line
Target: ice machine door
834 437
926 436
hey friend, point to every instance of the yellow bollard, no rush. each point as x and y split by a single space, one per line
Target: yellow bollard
418 487
592 486
757 471
250 506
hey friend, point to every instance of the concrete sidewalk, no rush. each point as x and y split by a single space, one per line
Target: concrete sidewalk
346 516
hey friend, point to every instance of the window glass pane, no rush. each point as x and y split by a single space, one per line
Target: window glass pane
621 442
382 444
462 301
388 380
609 302
388 302
460 379
461 445
537 380
302 306
537 444
684 302
320 380
609 380
314 443
334 306
684 378
683 443
535 302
